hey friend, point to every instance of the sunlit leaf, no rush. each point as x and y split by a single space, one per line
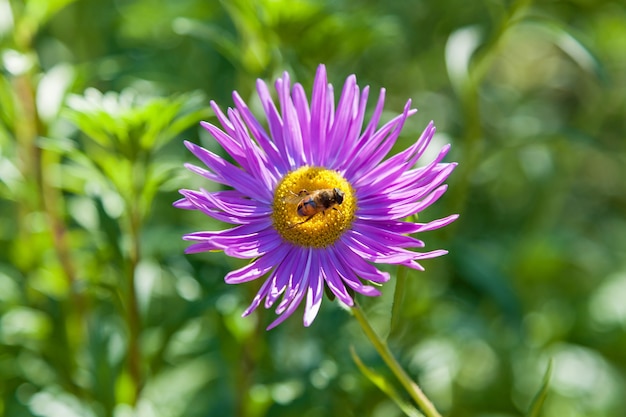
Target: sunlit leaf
6 18
42 10
132 125
52 89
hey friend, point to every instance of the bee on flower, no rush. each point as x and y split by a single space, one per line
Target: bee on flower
318 201
314 200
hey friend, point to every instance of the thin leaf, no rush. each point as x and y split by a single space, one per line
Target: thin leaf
385 386
540 397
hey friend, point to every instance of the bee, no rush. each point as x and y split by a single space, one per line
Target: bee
311 203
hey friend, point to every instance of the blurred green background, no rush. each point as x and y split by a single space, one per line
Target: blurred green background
103 315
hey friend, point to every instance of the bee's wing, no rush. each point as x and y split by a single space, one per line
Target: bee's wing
292 199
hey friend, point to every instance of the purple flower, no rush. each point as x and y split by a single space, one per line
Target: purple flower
313 201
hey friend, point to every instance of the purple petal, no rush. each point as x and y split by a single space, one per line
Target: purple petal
436 224
256 268
320 116
240 242
386 237
338 135
261 294
374 251
301 106
261 136
301 280
333 280
231 175
349 167
275 123
292 300
286 275
315 290
256 161
379 145
344 271
364 270
229 206
292 132
386 172
400 211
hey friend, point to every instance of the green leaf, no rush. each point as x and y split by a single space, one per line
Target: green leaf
43 10
62 146
7 103
384 385
133 125
563 37
540 397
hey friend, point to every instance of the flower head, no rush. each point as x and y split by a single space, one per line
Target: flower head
313 201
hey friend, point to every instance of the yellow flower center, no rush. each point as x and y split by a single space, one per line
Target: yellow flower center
313 206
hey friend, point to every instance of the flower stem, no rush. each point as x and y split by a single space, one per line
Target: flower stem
133 317
411 387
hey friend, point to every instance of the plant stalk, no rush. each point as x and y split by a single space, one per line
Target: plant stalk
409 385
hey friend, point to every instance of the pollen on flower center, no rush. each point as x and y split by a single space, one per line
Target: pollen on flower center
313 206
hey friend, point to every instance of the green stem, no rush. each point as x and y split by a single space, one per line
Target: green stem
34 163
409 385
133 317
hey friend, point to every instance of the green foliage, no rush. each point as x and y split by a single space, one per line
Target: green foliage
102 314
